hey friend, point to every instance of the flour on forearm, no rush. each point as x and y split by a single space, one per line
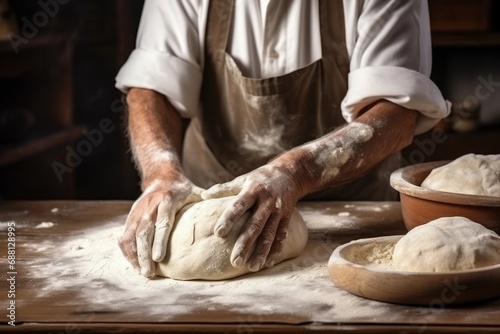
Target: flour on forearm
331 154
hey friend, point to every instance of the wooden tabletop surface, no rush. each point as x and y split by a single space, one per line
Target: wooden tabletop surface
68 276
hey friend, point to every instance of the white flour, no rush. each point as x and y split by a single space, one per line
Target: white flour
333 154
344 214
268 139
45 225
265 143
374 255
351 218
346 220
91 263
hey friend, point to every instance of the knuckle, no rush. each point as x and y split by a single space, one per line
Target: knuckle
151 200
133 216
147 217
126 240
281 236
268 207
259 222
163 224
123 242
270 233
240 249
283 224
254 231
239 206
263 191
143 234
268 237
166 195
259 256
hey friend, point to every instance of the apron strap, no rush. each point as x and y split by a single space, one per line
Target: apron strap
332 26
220 13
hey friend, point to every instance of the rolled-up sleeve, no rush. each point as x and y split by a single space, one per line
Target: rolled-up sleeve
167 57
391 59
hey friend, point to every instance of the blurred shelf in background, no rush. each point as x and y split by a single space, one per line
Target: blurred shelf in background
57 66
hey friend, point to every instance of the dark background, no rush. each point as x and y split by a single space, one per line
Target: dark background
59 83
100 35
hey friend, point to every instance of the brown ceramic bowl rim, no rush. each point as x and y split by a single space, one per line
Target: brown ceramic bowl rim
404 181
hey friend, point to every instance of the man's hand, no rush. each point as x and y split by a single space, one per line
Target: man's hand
151 219
271 191
155 131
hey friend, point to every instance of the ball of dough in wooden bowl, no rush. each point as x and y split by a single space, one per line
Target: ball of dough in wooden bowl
447 244
473 174
194 252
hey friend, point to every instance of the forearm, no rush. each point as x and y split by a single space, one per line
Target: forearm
155 132
353 150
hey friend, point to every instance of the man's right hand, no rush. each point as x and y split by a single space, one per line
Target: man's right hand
155 132
152 217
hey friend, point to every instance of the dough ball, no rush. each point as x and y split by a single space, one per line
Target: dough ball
472 174
194 252
447 244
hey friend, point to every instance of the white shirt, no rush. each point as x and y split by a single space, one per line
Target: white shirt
388 43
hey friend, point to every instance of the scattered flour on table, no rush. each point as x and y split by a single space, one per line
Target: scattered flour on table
327 220
91 263
45 225
350 218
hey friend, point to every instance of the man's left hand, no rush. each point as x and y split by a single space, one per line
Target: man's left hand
271 193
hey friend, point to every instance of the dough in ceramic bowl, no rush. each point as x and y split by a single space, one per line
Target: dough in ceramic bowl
194 252
473 174
447 244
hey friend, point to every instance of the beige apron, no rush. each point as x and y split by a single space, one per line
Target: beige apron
246 122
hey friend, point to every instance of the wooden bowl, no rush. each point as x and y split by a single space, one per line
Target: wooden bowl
420 205
435 290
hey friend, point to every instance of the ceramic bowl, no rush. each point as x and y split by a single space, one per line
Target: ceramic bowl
420 205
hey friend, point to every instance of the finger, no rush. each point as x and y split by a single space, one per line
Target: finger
127 241
279 242
196 195
128 247
264 243
164 222
232 214
144 237
230 188
245 243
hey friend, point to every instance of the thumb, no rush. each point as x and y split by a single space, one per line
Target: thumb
230 188
195 196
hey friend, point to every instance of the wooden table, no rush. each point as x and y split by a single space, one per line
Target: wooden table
70 277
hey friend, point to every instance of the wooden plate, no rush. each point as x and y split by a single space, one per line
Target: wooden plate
355 274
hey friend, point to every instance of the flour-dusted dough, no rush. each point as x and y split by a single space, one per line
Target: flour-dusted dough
194 252
447 244
473 174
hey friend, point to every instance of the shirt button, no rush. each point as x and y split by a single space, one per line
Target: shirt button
274 54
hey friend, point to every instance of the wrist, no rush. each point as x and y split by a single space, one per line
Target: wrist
161 171
299 166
